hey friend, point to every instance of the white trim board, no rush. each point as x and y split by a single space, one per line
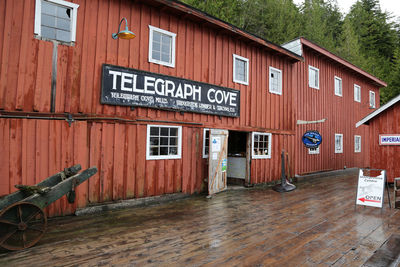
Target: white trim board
378 111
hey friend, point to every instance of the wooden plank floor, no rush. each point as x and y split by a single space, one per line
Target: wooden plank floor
315 225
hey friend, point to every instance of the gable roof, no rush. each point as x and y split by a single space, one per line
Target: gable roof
378 111
297 47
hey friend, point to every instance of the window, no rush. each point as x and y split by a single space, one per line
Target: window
275 81
240 70
56 20
357 143
371 99
357 93
338 86
338 143
162 47
163 142
261 145
314 150
206 142
313 77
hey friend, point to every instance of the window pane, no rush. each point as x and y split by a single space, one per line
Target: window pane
156 47
173 141
240 70
154 141
173 131
164 131
156 36
156 55
165 57
173 151
166 48
63 24
163 140
63 36
48 32
63 12
48 8
154 131
48 21
154 151
163 151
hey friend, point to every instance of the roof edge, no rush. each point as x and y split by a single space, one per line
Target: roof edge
342 61
378 111
183 7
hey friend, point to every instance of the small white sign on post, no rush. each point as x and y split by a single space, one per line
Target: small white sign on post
370 189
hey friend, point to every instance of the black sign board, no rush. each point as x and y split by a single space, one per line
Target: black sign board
131 87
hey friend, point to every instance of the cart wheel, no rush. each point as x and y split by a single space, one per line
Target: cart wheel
21 226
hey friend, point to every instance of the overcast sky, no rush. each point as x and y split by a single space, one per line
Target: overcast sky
392 6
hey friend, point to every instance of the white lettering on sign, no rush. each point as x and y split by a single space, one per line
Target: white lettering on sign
389 139
130 87
370 189
218 96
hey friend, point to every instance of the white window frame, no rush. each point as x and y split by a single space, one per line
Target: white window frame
268 156
337 92
337 150
313 152
355 143
179 152
357 93
279 92
309 80
234 69
372 97
173 47
38 17
205 130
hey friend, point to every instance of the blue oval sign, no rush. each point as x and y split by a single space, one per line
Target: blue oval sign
312 139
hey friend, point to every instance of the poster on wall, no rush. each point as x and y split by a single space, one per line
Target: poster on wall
370 188
131 87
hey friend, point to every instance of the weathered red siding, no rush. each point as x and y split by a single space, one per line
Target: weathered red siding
341 114
33 149
385 157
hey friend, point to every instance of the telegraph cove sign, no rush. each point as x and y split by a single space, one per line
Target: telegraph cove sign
131 87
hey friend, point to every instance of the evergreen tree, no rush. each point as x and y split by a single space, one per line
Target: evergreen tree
367 37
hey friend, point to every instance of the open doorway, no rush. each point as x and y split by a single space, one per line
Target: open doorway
238 158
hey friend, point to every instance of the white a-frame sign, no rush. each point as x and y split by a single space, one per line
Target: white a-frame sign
371 187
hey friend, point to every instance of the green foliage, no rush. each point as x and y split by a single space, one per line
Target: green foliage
366 36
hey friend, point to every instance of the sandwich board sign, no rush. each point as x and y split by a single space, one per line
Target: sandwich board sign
371 187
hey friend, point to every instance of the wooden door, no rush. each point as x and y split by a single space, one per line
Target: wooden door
217 161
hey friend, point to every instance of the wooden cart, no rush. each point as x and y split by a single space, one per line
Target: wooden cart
22 219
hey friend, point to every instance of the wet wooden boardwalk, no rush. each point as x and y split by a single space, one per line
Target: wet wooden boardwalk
315 225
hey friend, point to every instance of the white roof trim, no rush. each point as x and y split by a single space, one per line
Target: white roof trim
378 111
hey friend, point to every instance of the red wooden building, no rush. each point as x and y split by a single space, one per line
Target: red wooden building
384 138
140 110
331 95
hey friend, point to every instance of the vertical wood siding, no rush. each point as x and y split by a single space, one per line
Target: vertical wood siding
33 149
202 53
341 114
385 157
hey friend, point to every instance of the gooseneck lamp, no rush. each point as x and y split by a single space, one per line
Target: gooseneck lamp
125 34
